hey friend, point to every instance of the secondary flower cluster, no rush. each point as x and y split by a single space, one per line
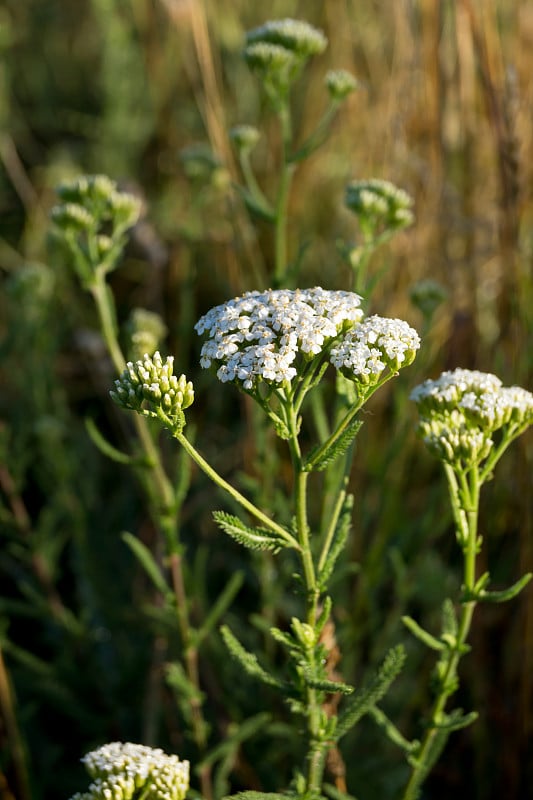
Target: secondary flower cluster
90 200
149 385
379 204
122 771
462 409
261 335
377 343
277 51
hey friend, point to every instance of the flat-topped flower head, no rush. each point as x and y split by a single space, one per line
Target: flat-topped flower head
379 205
123 771
277 52
299 37
375 345
149 387
471 405
262 336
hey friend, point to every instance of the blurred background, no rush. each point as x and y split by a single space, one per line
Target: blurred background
145 91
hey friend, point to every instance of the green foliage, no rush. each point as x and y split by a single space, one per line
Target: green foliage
370 694
320 459
88 642
253 538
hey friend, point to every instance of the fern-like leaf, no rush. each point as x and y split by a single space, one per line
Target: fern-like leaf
248 661
366 698
321 457
339 542
251 537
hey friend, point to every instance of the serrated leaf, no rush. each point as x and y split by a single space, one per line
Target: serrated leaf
392 731
321 457
506 594
285 639
456 720
368 696
251 537
449 619
248 661
331 687
341 535
147 561
423 636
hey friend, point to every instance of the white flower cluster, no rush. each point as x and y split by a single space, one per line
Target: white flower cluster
461 410
295 35
121 771
258 336
367 350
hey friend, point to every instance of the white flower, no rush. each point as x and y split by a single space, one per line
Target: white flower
258 336
480 395
366 350
120 770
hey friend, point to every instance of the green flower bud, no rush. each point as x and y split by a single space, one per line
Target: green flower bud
304 633
270 60
244 137
451 438
73 217
125 209
379 204
150 388
340 83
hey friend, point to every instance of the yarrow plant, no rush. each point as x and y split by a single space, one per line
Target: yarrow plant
468 419
276 346
279 347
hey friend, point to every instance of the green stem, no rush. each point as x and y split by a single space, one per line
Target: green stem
281 217
318 747
165 513
464 495
330 532
234 493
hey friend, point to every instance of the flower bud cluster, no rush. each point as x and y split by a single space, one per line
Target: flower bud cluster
277 51
244 137
149 387
340 83
258 336
379 204
92 200
462 409
450 438
122 771
373 346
